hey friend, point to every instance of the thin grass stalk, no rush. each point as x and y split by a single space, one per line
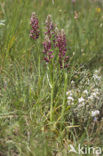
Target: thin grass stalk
52 91
51 105
64 97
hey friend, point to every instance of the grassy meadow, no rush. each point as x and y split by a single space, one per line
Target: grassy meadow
45 108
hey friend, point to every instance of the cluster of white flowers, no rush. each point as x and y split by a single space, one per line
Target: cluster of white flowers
96 75
95 113
84 97
70 97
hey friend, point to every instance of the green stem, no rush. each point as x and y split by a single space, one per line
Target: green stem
39 66
51 106
64 97
52 91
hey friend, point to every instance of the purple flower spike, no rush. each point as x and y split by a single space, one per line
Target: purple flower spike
55 39
73 1
34 32
49 26
47 45
61 44
47 49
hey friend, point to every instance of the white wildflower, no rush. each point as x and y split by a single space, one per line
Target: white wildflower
94 94
69 93
85 92
96 90
72 82
97 71
96 77
81 100
95 113
91 97
70 98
